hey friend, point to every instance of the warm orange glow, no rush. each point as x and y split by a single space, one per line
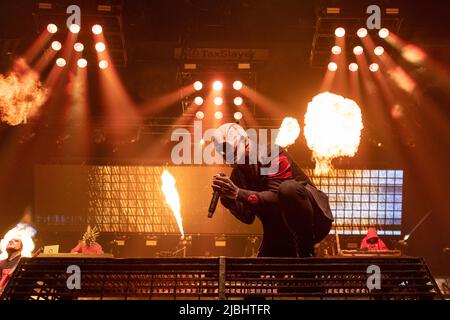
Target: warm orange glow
288 132
358 50
336 50
198 85
172 197
52 28
339 32
103 64
60 62
100 47
198 101
218 101
217 85
237 115
383 33
97 29
218 115
199 115
362 32
413 54
74 28
56 45
333 127
82 63
238 101
237 85
332 66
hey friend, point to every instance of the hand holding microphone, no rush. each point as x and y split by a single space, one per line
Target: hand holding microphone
222 186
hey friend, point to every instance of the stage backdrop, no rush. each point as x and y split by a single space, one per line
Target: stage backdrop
128 199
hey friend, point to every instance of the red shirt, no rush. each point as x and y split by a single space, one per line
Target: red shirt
94 248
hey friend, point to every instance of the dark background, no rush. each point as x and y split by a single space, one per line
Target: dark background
284 27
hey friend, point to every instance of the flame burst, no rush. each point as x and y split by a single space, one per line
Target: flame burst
21 94
172 197
288 132
25 233
333 127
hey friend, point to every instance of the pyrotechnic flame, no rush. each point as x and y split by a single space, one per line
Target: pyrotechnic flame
172 197
21 94
288 132
333 127
25 233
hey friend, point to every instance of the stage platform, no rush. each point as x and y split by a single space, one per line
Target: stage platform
105 278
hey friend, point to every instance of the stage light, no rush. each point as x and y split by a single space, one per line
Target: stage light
237 115
74 28
358 50
60 62
82 63
100 46
383 33
52 28
198 85
332 66
103 64
339 32
238 101
374 67
217 85
199 115
78 47
378 50
336 50
218 101
218 115
237 85
362 32
97 29
198 101
353 67
56 45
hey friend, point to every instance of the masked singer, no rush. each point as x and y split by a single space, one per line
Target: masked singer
295 215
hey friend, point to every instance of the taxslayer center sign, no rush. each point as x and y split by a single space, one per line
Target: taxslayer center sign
222 54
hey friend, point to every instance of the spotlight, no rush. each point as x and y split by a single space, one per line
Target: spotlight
52 28
60 62
332 66
198 101
339 32
56 45
362 32
97 29
353 67
238 101
218 115
103 64
82 63
237 115
237 85
217 85
74 28
336 50
198 85
202 141
200 115
100 46
383 33
374 67
358 50
378 50
218 101
78 47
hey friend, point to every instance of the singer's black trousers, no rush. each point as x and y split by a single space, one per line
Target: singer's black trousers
294 224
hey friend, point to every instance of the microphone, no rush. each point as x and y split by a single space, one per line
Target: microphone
214 201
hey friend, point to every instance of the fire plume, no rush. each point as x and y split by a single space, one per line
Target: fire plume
172 197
